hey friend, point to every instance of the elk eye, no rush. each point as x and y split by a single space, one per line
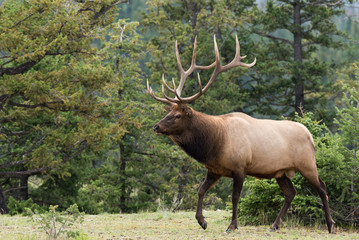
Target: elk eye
178 116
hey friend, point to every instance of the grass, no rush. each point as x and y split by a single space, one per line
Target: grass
166 225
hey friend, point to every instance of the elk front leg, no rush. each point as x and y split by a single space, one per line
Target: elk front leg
208 182
238 180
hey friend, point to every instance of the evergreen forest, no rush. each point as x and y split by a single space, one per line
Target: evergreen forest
76 118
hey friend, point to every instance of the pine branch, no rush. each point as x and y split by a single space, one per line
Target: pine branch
35 105
18 69
11 164
326 3
24 154
105 9
24 173
273 37
44 169
24 19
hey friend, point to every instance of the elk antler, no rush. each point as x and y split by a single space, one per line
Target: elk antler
184 74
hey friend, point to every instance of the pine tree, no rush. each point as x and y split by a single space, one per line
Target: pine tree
289 73
57 94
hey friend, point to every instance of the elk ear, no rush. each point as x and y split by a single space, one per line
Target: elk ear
167 108
189 112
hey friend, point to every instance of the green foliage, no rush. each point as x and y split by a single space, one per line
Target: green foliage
316 128
348 126
261 202
56 223
19 207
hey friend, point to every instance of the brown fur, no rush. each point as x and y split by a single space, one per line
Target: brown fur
235 145
238 142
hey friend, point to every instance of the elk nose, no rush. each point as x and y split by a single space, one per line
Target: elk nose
156 127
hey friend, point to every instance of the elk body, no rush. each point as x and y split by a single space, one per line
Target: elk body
235 145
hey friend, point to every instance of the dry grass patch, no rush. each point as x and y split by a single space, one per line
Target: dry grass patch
165 225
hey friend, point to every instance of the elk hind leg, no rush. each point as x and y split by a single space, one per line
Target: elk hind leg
209 181
289 192
324 197
320 187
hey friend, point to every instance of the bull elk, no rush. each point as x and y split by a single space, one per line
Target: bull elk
235 145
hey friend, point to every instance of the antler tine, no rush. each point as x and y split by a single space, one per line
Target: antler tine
166 85
237 59
185 74
199 83
218 58
238 50
151 93
172 90
176 92
196 96
193 63
171 100
180 68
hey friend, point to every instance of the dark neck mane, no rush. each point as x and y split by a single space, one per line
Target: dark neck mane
203 138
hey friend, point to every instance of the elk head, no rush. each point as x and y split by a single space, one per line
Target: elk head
178 117
179 114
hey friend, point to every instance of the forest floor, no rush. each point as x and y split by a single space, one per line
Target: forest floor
165 225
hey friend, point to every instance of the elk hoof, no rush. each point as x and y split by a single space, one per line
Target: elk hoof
331 228
274 228
201 221
229 230
233 226
204 225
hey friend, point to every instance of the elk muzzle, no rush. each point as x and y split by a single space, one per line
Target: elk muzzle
156 127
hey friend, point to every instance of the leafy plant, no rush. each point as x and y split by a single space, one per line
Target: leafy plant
261 203
55 223
19 207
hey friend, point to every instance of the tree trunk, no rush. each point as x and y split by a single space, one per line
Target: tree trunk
123 179
23 190
352 189
299 85
3 207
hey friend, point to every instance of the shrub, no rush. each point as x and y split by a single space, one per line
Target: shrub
55 223
19 207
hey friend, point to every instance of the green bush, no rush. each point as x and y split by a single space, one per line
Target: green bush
19 207
56 223
261 203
